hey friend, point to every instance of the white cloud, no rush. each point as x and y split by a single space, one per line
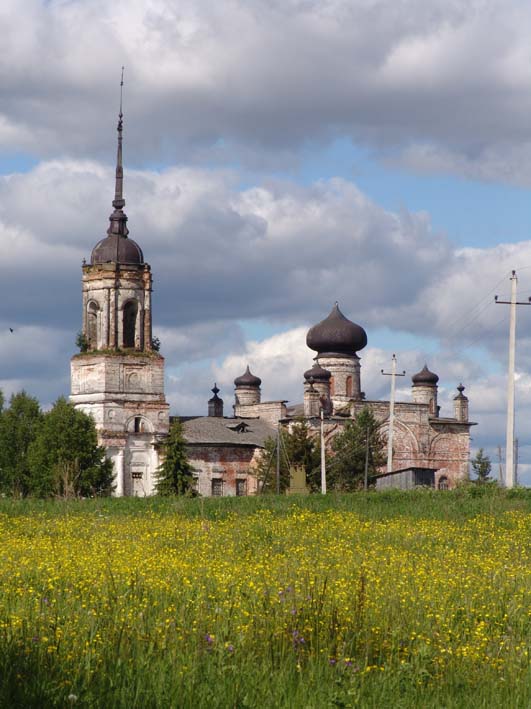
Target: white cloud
245 78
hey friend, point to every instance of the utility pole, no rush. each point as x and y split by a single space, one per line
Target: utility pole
516 461
509 440
323 455
366 476
393 376
278 459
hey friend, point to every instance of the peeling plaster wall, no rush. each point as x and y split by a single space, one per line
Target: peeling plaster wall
228 463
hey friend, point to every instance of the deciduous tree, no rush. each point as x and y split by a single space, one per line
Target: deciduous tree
346 469
298 447
65 458
18 428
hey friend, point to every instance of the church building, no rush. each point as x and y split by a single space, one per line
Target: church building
118 378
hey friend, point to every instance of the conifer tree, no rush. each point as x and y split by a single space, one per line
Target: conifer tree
175 474
65 458
18 428
346 469
481 466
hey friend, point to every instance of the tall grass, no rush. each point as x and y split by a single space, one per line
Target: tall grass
388 599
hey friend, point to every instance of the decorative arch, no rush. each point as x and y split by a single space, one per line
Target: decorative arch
139 424
437 446
93 318
405 444
129 323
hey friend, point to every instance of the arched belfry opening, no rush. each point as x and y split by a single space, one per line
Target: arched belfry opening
92 325
129 323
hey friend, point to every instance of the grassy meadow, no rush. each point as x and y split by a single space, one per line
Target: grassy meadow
419 599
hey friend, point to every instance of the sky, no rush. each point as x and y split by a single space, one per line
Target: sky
280 155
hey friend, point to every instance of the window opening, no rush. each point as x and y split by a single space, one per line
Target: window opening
349 386
130 311
217 487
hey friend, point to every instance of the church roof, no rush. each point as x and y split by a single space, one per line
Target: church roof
247 379
211 430
425 377
317 373
336 334
118 249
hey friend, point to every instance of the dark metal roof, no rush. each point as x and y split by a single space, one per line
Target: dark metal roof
215 391
425 377
336 334
117 249
247 379
317 373
210 430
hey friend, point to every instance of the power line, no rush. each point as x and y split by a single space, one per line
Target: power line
484 299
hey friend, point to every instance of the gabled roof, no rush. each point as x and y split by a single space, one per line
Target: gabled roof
212 430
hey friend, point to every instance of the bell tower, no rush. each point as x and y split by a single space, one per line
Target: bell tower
118 377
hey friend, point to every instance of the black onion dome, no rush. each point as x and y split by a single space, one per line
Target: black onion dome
425 377
247 379
118 249
317 373
336 334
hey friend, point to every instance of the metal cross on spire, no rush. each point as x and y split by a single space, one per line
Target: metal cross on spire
119 202
118 218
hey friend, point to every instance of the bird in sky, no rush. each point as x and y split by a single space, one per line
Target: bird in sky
11 329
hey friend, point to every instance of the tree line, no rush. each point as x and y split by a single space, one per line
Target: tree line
50 454
56 454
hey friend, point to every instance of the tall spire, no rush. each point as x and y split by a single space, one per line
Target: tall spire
118 218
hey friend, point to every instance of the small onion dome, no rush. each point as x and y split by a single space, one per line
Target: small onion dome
247 380
215 391
118 249
336 335
317 374
425 378
460 395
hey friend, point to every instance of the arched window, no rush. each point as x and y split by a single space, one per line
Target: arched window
443 483
92 325
130 311
349 386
